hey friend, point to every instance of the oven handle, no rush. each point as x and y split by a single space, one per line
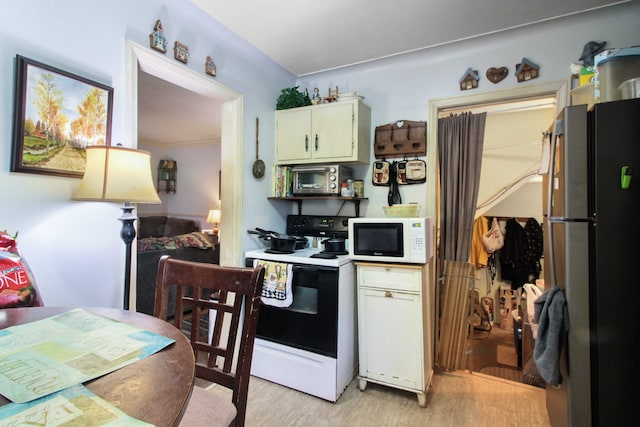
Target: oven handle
311 268
298 267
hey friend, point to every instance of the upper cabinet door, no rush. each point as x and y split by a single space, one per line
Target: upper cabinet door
293 135
332 132
326 133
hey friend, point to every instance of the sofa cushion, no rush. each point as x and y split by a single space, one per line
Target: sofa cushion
151 226
177 226
196 239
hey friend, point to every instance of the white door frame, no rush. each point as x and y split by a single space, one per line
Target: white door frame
138 56
543 90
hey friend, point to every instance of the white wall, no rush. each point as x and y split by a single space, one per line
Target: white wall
198 181
400 88
74 248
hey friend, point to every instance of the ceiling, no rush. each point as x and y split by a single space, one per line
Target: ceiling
309 36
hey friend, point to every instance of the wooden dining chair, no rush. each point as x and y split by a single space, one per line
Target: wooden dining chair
226 359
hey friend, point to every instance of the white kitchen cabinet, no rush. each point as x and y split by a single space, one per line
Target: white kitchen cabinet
325 133
394 327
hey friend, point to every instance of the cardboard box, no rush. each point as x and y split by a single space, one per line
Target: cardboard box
586 76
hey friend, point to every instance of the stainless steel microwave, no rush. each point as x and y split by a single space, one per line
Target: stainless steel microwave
319 180
396 240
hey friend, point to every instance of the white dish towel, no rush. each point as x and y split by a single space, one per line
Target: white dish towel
276 288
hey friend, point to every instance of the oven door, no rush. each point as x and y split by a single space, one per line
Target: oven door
310 322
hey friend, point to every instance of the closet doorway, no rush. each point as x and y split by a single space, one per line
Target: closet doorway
509 188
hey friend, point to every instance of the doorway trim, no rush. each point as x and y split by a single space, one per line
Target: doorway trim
230 142
542 90
494 97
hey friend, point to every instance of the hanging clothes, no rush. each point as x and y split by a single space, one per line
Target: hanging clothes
535 246
520 256
479 255
514 262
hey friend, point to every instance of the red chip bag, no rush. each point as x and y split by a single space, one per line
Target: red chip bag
17 287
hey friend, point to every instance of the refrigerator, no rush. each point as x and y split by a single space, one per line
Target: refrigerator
592 252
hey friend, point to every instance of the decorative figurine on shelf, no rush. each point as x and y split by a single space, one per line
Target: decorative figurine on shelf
316 98
210 67
333 95
181 52
157 40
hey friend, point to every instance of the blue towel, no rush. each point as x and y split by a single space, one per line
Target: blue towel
552 317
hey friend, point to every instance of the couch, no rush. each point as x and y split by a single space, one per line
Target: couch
160 235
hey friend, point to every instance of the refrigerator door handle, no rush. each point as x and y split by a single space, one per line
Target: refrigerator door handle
556 219
552 170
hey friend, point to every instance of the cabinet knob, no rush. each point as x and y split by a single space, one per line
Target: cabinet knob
388 294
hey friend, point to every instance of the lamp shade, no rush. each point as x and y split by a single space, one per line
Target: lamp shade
214 216
117 174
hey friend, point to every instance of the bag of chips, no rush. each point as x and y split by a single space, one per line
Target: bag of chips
17 287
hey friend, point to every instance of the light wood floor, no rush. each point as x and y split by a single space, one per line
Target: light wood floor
456 399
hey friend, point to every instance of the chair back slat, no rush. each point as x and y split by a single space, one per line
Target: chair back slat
226 360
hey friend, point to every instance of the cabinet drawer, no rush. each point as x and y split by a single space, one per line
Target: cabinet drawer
407 279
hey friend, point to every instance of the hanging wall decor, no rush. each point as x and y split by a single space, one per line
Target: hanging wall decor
47 98
496 75
210 67
400 139
469 79
157 40
527 70
181 52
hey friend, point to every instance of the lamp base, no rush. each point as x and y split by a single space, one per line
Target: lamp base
127 233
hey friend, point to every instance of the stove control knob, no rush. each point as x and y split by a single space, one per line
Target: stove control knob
332 185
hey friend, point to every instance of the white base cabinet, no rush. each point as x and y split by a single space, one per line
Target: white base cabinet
394 327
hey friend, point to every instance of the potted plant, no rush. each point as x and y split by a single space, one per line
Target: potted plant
291 97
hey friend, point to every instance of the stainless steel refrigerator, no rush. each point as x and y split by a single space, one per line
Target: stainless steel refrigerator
592 251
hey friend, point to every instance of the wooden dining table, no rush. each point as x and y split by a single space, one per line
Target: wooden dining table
155 389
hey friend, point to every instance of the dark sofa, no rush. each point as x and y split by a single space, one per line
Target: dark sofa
162 235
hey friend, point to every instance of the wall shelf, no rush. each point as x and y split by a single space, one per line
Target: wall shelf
167 176
300 199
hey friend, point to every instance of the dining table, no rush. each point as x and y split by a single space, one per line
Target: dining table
155 389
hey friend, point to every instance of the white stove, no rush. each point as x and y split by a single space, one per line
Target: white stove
310 345
300 256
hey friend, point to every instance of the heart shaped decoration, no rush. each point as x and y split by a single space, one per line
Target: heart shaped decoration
496 75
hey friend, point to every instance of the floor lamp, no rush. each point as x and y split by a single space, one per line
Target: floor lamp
118 174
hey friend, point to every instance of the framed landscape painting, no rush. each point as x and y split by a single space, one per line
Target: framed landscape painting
57 116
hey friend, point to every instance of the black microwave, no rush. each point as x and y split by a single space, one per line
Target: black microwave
319 180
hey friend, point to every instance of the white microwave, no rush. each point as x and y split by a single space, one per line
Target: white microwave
396 240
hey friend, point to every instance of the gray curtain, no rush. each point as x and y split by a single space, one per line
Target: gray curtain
460 142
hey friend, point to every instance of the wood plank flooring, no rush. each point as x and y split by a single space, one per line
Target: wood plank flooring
455 399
